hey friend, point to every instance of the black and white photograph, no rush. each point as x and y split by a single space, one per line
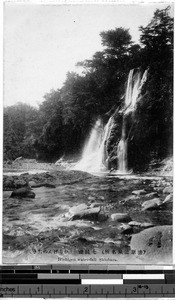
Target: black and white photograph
88 133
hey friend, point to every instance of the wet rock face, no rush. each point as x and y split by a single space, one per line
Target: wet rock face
156 243
114 138
22 193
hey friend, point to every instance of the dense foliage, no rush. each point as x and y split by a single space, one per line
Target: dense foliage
20 131
152 135
63 120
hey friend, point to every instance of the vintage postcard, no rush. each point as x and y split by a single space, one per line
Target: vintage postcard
88 133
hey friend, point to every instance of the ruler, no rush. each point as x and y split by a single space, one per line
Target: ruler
82 281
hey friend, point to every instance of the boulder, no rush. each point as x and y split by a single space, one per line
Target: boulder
158 189
155 244
92 198
139 192
22 193
153 194
126 229
151 204
75 209
110 240
49 185
141 225
134 223
87 214
97 205
6 194
32 184
147 181
19 183
168 199
130 198
8 183
146 225
121 217
168 190
81 239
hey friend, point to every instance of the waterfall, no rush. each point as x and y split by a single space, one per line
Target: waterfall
95 156
93 143
122 151
134 86
133 92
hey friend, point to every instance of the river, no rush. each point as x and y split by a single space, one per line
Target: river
39 230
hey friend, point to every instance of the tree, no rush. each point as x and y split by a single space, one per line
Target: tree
20 130
109 68
66 115
49 143
157 39
116 42
152 135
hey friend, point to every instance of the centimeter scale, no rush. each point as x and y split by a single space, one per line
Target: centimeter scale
54 281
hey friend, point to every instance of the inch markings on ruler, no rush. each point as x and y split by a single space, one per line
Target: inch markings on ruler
123 290
61 281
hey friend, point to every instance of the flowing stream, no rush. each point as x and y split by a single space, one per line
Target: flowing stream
40 230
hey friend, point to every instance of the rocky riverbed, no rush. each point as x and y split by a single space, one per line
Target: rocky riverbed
71 216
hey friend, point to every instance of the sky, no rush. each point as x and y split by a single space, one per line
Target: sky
43 42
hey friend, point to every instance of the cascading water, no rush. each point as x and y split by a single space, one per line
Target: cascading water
94 141
134 86
122 152
95 156
133 90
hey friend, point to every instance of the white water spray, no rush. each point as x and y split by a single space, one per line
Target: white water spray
95 139
122 152
133 91
95 156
